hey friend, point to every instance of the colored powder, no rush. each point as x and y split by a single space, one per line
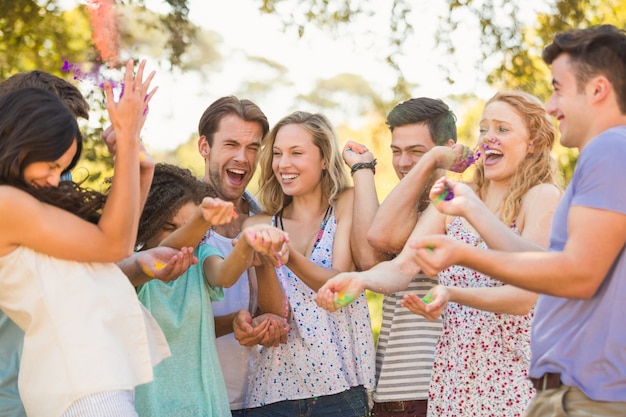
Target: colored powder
465 162
428 298
157 266
343 299
105 34
446 195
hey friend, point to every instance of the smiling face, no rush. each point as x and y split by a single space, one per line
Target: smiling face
505 140
568 104
408 144
231 161
296 162
48 174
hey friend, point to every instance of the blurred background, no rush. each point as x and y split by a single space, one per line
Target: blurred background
352 60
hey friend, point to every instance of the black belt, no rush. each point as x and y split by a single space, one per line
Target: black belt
397 406
547 381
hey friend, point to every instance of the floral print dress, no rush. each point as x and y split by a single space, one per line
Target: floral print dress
326 353
482 358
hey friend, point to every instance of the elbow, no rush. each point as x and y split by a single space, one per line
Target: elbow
584 282
381 242
118 254
526 305
583 291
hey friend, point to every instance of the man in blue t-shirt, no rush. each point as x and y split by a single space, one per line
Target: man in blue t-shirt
578 340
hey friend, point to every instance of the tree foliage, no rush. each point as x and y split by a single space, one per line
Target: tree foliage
510 48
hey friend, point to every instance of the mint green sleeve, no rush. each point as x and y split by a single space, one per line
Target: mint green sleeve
203 251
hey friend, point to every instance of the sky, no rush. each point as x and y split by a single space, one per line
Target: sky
181 99
245 31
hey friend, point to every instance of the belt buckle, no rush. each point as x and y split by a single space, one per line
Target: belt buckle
544 381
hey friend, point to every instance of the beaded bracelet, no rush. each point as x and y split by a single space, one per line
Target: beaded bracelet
361 165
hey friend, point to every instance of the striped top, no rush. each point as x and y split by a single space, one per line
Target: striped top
406 347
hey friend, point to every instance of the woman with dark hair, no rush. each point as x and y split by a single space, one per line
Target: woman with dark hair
88 342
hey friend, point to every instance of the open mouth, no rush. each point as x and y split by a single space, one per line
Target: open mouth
492 156
236 176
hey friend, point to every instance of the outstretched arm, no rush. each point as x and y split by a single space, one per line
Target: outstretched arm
576 272
162 263
386 277
262 238
537 206
211 212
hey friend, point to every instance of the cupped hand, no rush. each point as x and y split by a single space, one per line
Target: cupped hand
339 291
166 264
438 298
268 330
270 244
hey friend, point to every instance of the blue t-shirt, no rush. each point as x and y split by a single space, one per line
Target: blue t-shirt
585 340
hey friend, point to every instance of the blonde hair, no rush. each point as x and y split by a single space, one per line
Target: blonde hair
334 179
538 167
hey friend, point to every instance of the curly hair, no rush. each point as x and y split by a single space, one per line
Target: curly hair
334 179
36 126
172 187
538 167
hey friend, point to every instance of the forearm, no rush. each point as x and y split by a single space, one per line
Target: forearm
231 268
190 234
271 296
390 276
505 299
314 276
146 173
496 234
554 273
224 324
398 212
120 215
364 209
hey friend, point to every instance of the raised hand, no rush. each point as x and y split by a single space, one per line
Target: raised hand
354 152
456 158
128 114
339 291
